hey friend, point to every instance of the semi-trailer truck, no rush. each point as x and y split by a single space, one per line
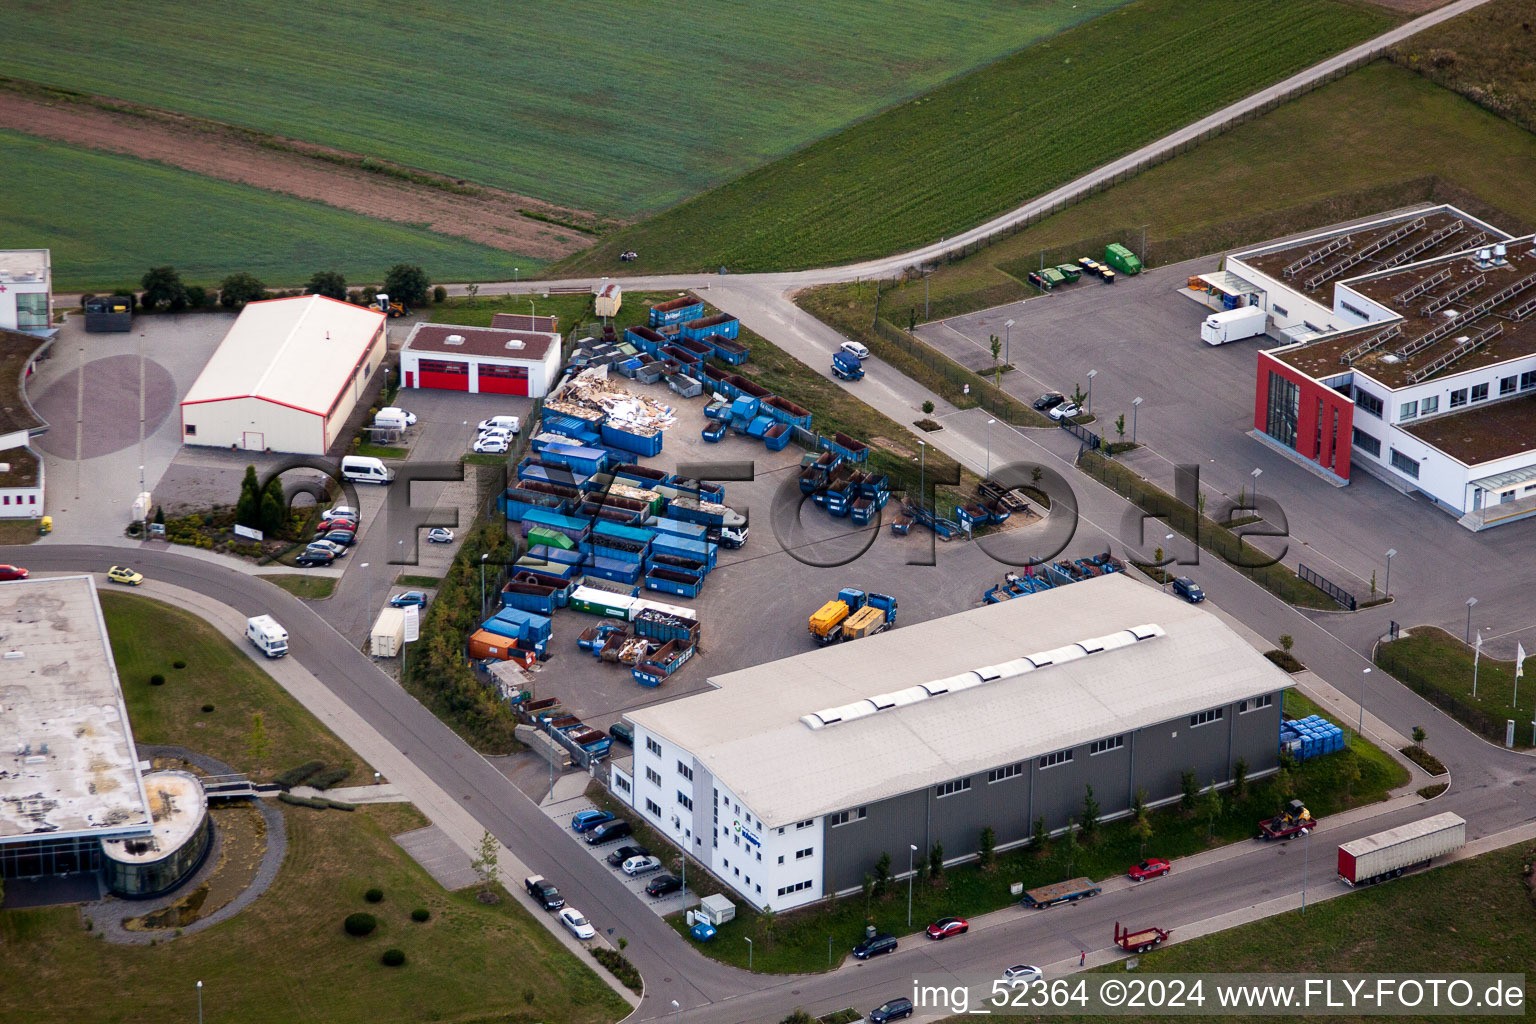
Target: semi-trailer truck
1233 325
1388 854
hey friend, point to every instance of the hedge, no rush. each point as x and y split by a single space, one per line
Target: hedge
296 776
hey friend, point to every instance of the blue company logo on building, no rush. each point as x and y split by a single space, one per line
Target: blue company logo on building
747 835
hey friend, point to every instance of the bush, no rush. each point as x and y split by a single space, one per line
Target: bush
178 663
327 779
336 805
392 958
238 289
360 924
304 801
157 680
374 895
296 776
439 294
618 964
207 709
420 914
198 297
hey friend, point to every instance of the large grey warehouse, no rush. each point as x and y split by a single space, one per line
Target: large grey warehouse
790 779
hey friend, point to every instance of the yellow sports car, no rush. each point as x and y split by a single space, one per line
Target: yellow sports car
123 574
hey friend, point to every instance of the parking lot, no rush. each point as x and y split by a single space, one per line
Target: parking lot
564 811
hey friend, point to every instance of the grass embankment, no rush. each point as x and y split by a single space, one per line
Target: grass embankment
294 931
310 588
994 138
1226 544
797 941
91 209
1411 141
719 88
148 638
1487 54
1438 667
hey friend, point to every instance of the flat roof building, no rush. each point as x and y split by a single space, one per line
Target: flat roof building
69 775
790 779
482 360
26 290
286 377
1416 363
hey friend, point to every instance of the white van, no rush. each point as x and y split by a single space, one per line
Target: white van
392 419
269 638
365 469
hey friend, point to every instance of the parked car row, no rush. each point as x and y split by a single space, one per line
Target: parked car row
496 434
1056 405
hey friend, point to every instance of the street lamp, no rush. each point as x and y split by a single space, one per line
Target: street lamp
1091 374
1360 725
468 441
482 582
199 1002
1135 408
922 452
368 579
1007 325
676 1010
1256 474
514 275
1471 603
989 448
749 951
1166 576
1306 855
1390 553
913 853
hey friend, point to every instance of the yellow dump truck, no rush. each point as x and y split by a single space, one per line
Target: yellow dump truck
826 624
851 615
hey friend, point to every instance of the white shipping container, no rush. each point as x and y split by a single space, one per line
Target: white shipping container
1233 325
1369 859
388 633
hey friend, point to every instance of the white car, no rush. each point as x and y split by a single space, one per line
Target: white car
508 423
1022 974
389 412
439 535
853 348
1065 410
339 512
640 865
579 926
491 445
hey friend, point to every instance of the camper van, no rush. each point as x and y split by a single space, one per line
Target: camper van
269 637
364 469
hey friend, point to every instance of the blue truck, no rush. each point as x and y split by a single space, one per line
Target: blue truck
846 366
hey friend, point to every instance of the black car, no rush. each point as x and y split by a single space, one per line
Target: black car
661 885
346 538
881 943
312 556
607 832
1049 400
892 1009
623 854
622 733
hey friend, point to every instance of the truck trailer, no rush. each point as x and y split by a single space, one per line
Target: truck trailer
1388 854
1233 325
1069 891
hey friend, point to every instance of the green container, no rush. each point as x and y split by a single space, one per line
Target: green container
1070 272
1122 259
1053 277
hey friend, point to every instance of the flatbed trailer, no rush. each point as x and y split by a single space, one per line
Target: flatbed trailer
1069 891
1140 941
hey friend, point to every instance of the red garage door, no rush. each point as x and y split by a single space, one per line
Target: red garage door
444 375
503 380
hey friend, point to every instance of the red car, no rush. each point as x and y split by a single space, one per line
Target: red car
944 927
13 572
1149 868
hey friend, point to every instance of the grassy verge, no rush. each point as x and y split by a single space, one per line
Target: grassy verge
993 138
1424 759
1415 142
19 531
1439 667
1487 54
311 588
798 941
381 451
407 580
148 638
294 932
1225 544
484 459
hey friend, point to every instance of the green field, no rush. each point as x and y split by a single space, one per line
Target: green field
1488 54
108 218
618 109
991 140
1439 667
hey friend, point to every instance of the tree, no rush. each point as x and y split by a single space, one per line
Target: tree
162 286
407 283
1373 583
936 861
1070 845
198 297
1077 395
1200 503
1189 787
799 1017
1287 642
921 871
238 289
1285 782
1090 812
471 290
1141 828
1240 778
328 283
274 511
256 742
997 367
1419 735
986 848
1213 805
248 507
1120 426
868 885
927 408
882 875
160 515
1039 838
487 856
1138 802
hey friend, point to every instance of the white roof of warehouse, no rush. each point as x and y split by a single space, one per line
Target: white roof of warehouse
297 352
799 738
